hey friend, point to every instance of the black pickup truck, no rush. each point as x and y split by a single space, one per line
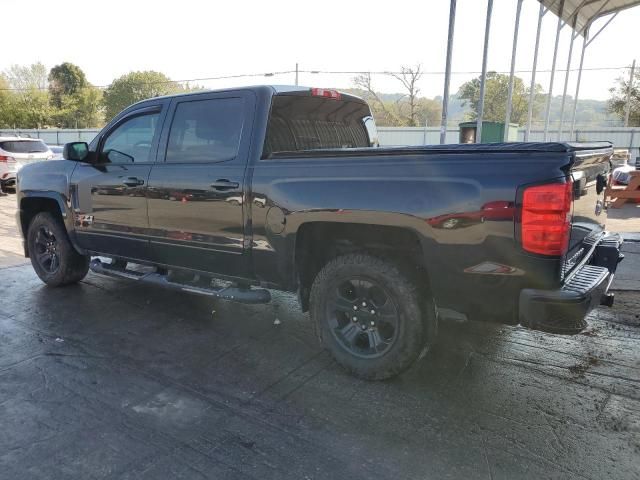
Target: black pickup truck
230 193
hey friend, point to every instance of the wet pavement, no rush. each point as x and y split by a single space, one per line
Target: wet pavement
111 379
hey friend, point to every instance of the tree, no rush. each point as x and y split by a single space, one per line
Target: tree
399 109
83 109
617 104
381 113
428 112
27 77
409 78
134 87
27 103
65 79
495 100
30 109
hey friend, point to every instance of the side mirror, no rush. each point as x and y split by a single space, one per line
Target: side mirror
77 151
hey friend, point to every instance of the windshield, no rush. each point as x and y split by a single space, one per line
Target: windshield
300 123
24 146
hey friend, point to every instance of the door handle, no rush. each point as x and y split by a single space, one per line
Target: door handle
224 184
132 182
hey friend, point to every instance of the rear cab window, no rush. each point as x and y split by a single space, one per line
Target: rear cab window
24 146
302 122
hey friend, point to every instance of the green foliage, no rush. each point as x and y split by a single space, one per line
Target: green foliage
25 105
495 100
617 103
5 102
65 79
134 87
30 109
83 109
27 77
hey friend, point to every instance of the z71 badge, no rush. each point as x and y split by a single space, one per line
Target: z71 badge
84 220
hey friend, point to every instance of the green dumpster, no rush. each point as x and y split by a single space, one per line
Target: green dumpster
491 132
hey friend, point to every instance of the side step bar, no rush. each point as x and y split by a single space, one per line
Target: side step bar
236 294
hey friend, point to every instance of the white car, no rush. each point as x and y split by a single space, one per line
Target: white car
15 153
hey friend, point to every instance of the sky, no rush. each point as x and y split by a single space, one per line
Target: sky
201 39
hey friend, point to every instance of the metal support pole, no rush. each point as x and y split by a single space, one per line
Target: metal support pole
424 136
296 74
514 49
585 41
483 77
447 75
547 112
532 88
566 80
629 89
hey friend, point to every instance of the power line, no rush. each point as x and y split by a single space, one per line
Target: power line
325 72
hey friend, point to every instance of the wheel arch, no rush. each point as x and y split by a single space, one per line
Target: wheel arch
316 243
33 202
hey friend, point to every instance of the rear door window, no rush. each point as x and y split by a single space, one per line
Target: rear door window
24 146
300 123
206 130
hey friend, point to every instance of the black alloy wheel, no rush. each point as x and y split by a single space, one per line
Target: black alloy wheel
46 253
363 317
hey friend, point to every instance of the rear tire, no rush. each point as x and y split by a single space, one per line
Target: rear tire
53 257
371 316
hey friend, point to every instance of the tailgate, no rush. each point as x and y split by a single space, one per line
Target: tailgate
590 171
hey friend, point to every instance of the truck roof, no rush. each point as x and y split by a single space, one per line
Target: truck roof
274 90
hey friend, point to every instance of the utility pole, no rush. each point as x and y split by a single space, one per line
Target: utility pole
296 74
629 89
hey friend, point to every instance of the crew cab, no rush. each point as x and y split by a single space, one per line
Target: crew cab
234 192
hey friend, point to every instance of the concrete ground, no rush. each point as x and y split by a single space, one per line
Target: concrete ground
625 219
115 380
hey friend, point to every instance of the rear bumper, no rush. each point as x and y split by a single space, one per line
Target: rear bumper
564 310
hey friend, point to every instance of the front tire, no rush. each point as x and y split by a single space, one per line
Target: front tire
370 315
53 257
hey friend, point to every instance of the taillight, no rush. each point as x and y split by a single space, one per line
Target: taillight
323 92
546 218
6 159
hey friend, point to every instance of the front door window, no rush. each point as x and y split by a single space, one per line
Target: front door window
131 141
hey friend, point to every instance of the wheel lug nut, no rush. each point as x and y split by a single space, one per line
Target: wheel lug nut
373 312
355 308
364 304
373 324
364 327
355 319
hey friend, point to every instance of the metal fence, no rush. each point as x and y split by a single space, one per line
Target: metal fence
54 136
620 137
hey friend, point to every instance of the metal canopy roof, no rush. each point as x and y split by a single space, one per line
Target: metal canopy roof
585 12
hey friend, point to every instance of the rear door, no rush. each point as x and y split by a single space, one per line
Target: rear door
109 195
196 192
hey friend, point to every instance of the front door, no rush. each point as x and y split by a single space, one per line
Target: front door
196 195
109 194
